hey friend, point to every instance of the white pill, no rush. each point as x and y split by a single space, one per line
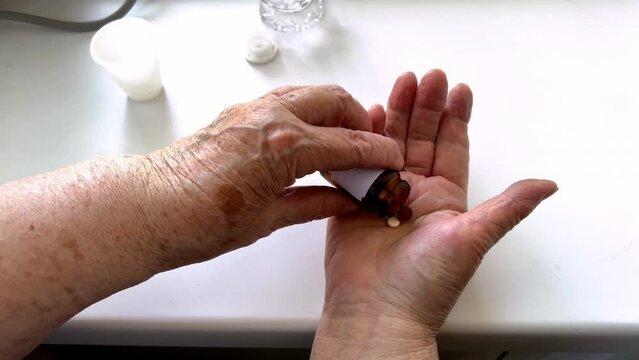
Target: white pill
393 222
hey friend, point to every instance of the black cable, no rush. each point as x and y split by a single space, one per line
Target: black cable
502 355
68 25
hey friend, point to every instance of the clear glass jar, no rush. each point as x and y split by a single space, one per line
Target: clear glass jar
291 15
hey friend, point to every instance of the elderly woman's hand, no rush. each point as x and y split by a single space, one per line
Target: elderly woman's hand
229 184
75 235
388 291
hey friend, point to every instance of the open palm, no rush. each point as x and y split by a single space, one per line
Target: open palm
415 273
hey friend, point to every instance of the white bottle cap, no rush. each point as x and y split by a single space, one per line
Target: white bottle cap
261 49
356 181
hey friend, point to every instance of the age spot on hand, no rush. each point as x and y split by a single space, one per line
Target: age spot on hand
229 199
73 246
57 264
163 244
42 308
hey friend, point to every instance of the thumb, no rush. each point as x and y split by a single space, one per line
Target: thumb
491 220
300 204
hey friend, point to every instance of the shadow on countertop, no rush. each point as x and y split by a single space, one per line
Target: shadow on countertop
59 352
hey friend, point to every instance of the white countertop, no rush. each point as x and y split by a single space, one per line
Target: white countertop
556 87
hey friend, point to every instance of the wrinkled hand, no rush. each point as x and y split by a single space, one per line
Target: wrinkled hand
228 185
402 283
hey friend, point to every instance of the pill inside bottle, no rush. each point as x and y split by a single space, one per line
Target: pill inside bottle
380 191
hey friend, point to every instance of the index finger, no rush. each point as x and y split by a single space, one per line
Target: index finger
342 149
326 105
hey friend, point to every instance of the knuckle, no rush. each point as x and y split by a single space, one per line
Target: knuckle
337 90
341 94
481 236
230 115
362 148
226 112
289 101
278 92
280 139
514 209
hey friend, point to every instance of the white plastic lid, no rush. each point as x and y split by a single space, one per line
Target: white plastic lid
261 49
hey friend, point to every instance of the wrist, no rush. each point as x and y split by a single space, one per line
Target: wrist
184 221
357 335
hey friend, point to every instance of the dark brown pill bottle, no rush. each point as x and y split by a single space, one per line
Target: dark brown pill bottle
380 191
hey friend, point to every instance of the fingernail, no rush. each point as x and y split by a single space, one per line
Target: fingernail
549 194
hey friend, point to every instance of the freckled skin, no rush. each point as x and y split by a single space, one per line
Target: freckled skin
42 308
229 200
74 248
57 263
72 293
163 244
227 173
89 230
50 227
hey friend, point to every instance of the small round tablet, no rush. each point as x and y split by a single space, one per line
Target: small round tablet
393 222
